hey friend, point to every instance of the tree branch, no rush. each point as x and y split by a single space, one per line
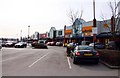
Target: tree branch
73 15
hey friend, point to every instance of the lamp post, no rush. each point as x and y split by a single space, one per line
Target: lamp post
28 33
64 35
21 35
94 24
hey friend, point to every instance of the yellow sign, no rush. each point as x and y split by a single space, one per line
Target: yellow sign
105 25
87 29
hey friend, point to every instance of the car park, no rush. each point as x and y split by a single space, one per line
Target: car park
41 45
84 53
21 45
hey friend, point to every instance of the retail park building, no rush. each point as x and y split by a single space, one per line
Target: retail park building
79 31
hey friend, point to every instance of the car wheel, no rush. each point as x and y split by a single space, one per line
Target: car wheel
74 60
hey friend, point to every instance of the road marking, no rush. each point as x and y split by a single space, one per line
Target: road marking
69 63
6 60
38 60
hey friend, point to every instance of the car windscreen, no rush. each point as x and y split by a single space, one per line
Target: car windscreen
85 48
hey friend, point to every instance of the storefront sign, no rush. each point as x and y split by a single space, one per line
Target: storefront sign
87 29
68 31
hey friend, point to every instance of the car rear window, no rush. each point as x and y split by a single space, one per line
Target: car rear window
85 43
85 48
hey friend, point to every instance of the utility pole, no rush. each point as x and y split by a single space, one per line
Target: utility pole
94 24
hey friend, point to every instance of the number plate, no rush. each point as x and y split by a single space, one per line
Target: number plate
88 54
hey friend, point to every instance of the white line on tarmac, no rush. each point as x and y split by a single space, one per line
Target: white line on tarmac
38 60
6 60
69 63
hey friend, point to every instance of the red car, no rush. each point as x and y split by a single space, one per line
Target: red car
33 43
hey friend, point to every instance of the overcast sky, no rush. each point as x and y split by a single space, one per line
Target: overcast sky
41 15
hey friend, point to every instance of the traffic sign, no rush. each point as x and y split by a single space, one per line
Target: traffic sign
94 30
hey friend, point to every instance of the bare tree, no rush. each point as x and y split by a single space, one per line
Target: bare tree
115 19
115 16
73 15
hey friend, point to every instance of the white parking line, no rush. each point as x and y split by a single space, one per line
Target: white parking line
38 60
5 60
69 63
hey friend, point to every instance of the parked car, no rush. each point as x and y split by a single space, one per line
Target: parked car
59 43
33 43
53 43
85 42
10 44
84 53
41 44
114 45
48 43
3 44
97 45
21 45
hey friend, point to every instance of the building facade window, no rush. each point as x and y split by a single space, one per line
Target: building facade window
59 32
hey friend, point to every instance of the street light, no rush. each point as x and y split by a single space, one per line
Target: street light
64 35
28 31
21 35
94 24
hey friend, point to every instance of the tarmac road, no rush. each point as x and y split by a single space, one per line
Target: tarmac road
47 62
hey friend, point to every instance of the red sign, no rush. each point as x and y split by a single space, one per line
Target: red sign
43 35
